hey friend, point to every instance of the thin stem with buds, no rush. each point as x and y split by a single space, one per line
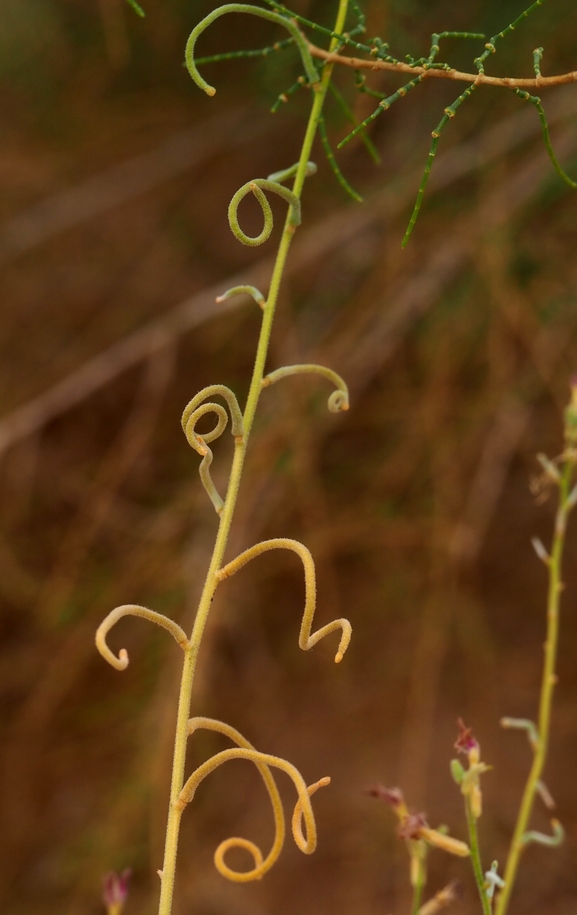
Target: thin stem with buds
540 741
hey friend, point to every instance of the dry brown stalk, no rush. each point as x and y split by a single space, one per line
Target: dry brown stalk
478 79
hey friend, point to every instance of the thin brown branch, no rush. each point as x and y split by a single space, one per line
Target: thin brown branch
357 63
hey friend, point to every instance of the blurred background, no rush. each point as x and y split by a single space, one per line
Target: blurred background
417 504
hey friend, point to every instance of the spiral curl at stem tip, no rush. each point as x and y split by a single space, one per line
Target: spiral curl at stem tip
286 23
338 400
193 412
306 639
121 662
263 764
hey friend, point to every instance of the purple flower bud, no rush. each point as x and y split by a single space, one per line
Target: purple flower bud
412 825
115 890
466 741
392 796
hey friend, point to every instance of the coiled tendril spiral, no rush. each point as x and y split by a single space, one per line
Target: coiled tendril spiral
263 761
273 185
193 412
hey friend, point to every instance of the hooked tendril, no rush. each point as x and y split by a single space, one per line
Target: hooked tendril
306 639
307 844
195 410
296 35
121 662
339 399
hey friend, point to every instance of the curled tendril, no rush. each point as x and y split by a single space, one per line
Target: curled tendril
306 639
121 662
255 293
257 187
338 400
197 409
541 839
524 724
286 23
263 762
261 865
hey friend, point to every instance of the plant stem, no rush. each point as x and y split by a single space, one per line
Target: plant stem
211 582
476 858
419 884
549 678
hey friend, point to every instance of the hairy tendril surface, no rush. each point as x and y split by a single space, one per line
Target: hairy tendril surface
183 789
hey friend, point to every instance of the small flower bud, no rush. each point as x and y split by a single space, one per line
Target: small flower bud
447 843
457 771
115 891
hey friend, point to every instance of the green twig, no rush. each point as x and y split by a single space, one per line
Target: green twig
536 101
137 8
237 55
490 46
348 113
384 105
476 858
450 112
334 165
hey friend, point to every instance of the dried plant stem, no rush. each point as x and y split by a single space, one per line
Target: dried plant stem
548 682
479 79
212 578
476 857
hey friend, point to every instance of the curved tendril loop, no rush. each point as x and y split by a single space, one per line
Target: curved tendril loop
338 400
257 187
541 839
261 865
121 662
288 24
303 809
194 411
306 639
286 173
244 290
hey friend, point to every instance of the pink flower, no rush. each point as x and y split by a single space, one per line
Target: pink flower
115 891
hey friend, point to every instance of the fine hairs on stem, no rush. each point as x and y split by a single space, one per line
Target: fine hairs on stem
183 789
318 65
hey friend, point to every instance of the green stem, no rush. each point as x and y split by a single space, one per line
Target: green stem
211 582
476 858
419 885
547 683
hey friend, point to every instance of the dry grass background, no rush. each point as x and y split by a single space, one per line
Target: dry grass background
416 504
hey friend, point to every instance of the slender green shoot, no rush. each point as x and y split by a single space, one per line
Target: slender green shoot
334 165
490 46
418 876
536 101
384 105
450 112
476 857
361 86
238 55
284 97
537 58
349 115
137 8
341 38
